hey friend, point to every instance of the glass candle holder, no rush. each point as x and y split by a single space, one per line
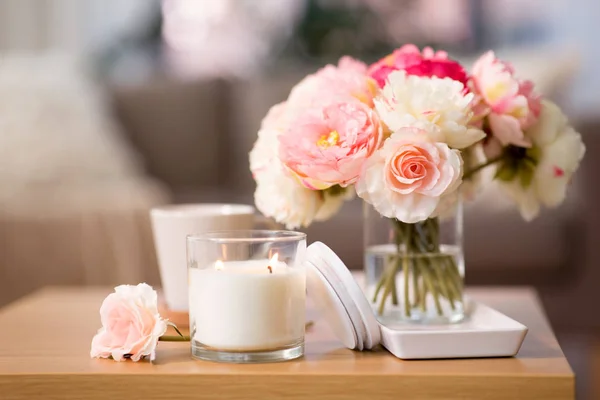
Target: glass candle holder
247 294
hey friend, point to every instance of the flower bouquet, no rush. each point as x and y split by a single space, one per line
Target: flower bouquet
412 135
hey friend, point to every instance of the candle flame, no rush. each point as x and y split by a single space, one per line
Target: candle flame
219 265
273 262
274 259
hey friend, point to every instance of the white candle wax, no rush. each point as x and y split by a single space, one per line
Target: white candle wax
242 306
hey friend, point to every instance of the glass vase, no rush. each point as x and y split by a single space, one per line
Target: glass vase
415 272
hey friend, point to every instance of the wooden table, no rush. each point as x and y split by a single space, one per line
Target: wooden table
45 342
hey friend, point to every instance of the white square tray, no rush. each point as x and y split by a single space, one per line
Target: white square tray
487 333
337 295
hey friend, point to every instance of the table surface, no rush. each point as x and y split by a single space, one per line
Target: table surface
45 342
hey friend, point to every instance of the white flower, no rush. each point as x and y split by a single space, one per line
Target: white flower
332 204
265 149
280 196
411 176
474 156
408 100
560 152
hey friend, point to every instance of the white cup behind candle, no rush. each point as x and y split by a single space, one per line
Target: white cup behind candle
247 306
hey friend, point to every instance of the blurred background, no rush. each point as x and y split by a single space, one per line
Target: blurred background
109 107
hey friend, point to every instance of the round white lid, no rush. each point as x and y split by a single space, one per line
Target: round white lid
330 307
337 279
333 285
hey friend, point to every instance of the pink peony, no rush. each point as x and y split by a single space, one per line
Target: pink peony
131 324
411 60
279 194
328 145
513 105
411 176
348 79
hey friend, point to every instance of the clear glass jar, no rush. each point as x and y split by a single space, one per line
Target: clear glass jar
415 272
247 295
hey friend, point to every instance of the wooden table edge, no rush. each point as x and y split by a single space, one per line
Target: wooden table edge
193 386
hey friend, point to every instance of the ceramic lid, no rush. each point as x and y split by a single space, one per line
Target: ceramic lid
339 299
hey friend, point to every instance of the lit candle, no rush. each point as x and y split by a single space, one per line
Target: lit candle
247 305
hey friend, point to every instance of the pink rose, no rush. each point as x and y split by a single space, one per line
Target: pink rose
411 176
411 60
328 145
348 79
131 324
512 104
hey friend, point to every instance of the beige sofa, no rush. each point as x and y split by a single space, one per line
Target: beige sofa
74 198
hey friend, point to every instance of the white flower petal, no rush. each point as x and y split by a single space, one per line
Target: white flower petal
560 160
416 101
280 196
550 123
561 150
526 200
331 205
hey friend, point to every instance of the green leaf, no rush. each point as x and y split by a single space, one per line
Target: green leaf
526 171
528 163
335 190
506 172
534 153
526 176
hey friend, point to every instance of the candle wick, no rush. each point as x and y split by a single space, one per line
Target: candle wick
270 269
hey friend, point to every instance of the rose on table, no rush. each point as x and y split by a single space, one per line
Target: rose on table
131 325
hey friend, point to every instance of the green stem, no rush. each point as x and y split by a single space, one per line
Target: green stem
434 229
400 236
452 284
176 329
468 174
424 244
433 272
423 299
421 245
405 269
432 289
387 287
173 338
394 293
438 269
387 270
458 279
416 294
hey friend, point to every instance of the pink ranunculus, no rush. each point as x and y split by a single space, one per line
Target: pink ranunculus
410 175
328 145
131 324
410 59
513 105
348 79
